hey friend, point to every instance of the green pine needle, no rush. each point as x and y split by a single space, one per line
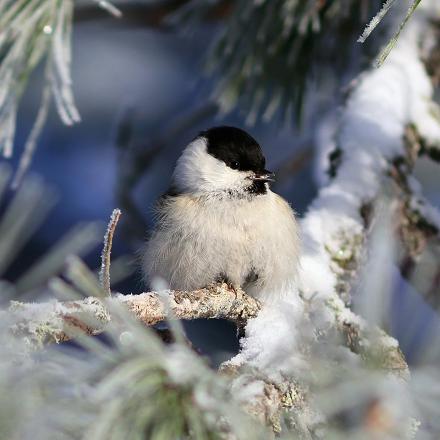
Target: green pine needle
389 47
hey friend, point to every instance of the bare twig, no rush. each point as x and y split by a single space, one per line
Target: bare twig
104 274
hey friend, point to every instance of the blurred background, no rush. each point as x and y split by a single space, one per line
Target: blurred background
144 89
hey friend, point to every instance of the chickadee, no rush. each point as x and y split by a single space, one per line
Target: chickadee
221 222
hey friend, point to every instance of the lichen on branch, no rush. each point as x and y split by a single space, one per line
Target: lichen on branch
58 321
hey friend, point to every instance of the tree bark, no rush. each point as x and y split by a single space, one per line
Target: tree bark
58 321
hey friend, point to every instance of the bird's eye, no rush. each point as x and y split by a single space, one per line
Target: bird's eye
235 165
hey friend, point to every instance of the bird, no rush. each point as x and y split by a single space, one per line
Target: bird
221 222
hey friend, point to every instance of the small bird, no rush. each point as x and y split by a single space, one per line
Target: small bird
220 222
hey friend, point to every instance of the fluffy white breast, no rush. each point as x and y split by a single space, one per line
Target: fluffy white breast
199 172
202 238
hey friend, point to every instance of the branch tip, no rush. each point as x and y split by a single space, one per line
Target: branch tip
104 273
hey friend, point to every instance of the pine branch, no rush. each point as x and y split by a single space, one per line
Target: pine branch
41 324
366 153
59 321
32 32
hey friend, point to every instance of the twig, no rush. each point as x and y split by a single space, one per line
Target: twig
104 274
59 321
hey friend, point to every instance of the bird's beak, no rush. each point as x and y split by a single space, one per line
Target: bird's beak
265 176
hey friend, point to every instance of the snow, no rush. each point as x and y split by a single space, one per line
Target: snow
369 131
272 338
38 321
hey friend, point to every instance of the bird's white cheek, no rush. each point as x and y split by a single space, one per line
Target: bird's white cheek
197 171
215 175
228 179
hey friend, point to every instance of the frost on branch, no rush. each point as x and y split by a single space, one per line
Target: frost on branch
104 273
298 353
58 321
368 138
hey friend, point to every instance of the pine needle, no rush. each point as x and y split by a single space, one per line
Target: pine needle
31 142
389 47
376 20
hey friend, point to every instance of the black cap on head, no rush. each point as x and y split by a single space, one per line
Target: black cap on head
235 147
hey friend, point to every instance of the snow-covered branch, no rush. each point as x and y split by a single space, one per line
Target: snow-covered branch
58 321
360 152
300 351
